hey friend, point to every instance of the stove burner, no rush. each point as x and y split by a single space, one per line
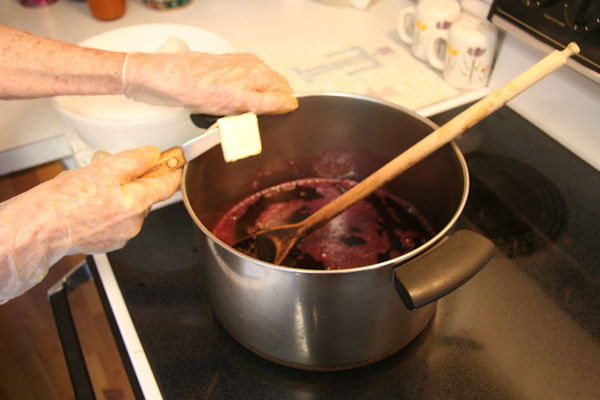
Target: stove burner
517 207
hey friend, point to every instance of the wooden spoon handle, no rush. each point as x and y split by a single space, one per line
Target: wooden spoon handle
441 136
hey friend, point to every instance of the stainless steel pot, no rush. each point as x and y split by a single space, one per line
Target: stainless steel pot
316 319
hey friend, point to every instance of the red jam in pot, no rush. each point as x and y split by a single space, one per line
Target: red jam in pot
376 229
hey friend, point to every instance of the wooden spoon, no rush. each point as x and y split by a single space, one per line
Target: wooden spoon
273 244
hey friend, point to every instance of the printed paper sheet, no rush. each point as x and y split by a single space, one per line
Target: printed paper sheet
387 72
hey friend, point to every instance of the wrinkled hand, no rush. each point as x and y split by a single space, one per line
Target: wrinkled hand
208 83
96 208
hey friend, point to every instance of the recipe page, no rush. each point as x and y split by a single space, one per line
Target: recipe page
382 71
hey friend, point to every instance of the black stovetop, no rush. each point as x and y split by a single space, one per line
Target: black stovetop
526 327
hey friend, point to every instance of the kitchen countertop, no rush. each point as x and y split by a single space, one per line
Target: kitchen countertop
34 133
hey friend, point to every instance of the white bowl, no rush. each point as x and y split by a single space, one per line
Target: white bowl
113 122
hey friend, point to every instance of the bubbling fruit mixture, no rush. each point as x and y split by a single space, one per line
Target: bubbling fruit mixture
376 229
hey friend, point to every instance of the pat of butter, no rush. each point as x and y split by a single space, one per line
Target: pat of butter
240 137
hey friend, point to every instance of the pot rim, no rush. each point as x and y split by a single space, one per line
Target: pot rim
398 260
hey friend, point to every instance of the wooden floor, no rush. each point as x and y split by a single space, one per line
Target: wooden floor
32 364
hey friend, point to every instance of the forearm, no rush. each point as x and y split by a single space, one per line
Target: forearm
32 66
32 238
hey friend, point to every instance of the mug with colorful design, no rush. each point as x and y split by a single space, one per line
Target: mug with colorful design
467 52
417 24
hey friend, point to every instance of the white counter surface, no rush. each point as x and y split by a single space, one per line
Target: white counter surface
32 132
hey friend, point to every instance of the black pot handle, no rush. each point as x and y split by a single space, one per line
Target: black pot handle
204 121
57 295
442 269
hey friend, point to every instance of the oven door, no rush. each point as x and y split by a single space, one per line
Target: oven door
97 268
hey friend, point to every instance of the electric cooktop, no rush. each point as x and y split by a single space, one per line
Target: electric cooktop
526 327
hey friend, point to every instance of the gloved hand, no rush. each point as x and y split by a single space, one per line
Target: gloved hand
96 208
208 83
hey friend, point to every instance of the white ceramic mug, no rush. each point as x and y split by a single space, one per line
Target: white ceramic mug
465 52
417 24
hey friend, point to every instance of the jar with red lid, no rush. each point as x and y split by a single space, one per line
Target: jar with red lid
37 3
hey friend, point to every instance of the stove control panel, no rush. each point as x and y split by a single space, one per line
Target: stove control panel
552 24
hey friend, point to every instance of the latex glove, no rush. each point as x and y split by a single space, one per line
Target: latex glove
208 83
360 4
96 208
